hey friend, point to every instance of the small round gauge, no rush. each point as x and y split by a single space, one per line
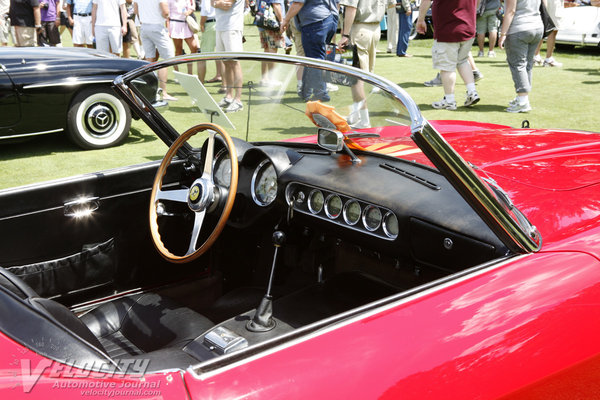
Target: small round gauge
333 206
222 169
352 212
264 184
390 225
316 201
372 218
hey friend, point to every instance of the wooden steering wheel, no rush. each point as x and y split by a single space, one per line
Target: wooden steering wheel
199 196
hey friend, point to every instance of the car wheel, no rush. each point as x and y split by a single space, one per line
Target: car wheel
97 118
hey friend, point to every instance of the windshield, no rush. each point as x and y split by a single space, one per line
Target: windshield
263 100
268 101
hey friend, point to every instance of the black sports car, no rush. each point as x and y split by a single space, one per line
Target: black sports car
49 90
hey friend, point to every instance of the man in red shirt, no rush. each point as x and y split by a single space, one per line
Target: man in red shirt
453 32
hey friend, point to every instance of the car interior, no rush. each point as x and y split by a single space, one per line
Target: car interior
299 236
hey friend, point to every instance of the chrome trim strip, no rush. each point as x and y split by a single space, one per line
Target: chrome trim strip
32 134
213 367
64 83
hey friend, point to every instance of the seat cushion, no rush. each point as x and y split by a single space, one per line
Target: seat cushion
144 323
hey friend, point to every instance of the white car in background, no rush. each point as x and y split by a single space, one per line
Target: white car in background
581 26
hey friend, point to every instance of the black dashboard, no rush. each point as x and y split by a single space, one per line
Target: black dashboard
386 204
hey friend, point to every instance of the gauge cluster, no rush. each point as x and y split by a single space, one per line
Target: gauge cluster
343 210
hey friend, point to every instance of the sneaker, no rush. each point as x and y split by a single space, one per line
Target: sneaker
472 98
551 62
513 101
480 54
332 88
299 88
167 96
234 106
537 60
477 75
443 104
516 107
225 102
437 81
491 54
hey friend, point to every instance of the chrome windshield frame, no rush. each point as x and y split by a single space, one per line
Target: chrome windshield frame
519 239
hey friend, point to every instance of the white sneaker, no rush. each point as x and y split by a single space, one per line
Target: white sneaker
516 107
551 62
491 54
332 88
477 75
537 60
235 105
480 54
472 98
444 104
225 102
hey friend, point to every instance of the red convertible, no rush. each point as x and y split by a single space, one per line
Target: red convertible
343 247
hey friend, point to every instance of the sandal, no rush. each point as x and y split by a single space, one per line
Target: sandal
214 80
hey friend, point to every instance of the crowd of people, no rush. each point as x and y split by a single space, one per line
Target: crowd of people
159 28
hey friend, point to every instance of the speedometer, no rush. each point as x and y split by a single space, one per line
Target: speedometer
264 184
222 169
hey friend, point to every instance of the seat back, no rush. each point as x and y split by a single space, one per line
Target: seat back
45 326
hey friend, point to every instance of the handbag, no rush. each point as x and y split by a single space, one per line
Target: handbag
266 19
192 23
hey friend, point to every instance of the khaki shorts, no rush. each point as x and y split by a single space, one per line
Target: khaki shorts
229 41
447 56
25 36
297 36
366 37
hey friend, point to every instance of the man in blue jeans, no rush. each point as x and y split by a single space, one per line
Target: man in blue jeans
318 20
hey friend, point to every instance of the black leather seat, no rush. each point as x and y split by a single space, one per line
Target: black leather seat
143 326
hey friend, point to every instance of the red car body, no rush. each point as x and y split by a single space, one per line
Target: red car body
525 327
536 314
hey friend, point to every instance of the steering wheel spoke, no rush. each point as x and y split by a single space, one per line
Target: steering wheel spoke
208 162
199 197
198 220
178 195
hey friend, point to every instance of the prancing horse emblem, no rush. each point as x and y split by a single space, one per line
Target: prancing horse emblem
194 193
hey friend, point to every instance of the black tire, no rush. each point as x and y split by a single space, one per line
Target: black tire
97 118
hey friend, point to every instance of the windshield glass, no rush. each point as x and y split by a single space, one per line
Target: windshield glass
269 101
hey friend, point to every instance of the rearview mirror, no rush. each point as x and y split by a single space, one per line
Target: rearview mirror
330 139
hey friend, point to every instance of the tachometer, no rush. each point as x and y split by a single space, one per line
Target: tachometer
264 184
222 169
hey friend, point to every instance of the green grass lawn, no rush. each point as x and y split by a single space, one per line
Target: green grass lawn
561 98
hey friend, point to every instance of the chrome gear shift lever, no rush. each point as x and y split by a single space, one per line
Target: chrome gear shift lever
263 318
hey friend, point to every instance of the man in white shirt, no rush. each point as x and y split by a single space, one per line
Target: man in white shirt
79 14
230 29
155 36
109 24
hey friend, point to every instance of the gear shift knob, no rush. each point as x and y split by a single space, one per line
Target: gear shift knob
278 238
